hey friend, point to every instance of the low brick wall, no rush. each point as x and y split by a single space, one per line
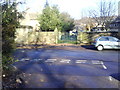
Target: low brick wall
36 37
47 38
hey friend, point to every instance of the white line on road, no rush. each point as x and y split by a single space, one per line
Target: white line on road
36 60
96 62
110 78
65 61
99 62
40 59
51 60
24 59
104 66
81 61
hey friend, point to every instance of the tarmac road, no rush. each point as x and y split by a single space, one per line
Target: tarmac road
76 68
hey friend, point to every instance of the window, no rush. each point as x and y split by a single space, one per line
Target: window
112 39
104 39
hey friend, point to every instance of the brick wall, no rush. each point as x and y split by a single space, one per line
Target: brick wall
24 36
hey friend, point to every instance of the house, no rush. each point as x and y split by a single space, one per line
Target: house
85 24
30 20
98 28
115 25
28 23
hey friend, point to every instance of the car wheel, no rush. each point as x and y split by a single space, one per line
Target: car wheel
99 48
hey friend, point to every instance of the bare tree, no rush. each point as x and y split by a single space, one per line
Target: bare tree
105 13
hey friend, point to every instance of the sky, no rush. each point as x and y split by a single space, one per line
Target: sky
76 8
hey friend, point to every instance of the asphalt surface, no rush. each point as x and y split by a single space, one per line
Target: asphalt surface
68 68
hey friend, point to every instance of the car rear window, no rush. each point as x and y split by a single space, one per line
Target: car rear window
112 39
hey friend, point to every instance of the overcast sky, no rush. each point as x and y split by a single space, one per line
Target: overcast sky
76 8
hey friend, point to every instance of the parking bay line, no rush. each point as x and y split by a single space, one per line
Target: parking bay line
81 61
78 61
65 61
99 62
51 60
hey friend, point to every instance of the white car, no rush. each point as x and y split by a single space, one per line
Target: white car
107 42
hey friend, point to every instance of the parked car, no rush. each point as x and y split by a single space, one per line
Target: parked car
107 42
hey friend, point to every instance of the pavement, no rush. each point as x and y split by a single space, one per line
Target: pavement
68 67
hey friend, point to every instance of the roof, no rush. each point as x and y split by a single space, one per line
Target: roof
29 15
33 15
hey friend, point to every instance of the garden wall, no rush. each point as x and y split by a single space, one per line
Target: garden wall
36 37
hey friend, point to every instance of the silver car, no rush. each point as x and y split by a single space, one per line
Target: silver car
107 42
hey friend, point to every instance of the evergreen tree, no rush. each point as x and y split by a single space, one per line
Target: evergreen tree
49 19
67 23
10 22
